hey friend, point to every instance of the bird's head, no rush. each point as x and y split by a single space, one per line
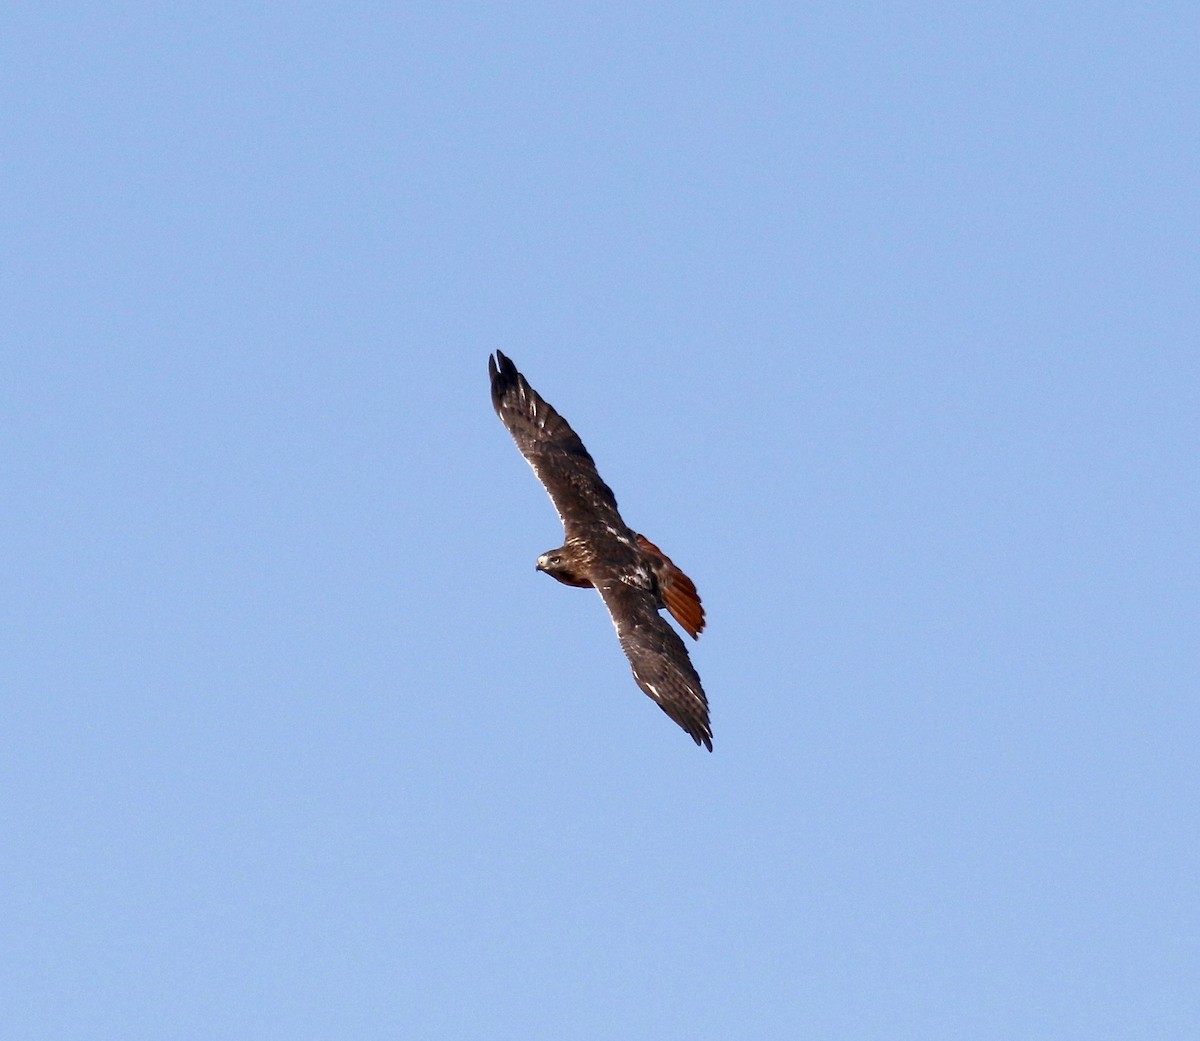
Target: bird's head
550 562
561 564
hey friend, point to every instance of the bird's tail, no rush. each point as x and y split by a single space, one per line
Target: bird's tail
678 591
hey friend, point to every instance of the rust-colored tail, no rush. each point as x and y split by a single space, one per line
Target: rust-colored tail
678 591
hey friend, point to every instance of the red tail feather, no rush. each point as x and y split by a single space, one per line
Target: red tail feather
678 591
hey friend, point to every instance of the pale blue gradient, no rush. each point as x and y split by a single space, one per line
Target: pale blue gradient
882 320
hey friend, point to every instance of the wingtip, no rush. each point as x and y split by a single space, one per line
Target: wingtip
699 731
503 375
500 364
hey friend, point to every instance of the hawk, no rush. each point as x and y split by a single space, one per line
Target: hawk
632 575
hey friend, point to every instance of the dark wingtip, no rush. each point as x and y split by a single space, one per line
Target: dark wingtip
503 374
697 729
501 365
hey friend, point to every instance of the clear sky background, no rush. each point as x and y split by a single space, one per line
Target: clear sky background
881 319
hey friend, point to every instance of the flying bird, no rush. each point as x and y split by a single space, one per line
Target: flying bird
632 575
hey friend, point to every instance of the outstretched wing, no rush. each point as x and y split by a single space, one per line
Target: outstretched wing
659 659
618 563
584 502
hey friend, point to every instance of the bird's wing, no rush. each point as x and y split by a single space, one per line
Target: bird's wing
656 654
584 502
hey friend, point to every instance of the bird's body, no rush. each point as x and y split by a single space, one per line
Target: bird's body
632 575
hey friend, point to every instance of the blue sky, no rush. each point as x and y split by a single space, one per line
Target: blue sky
880 319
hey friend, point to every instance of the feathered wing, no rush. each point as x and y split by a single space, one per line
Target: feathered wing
656 654
583 501
618 562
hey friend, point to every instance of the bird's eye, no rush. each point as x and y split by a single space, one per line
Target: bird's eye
556 559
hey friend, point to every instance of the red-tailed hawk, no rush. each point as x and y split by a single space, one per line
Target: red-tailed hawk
632 575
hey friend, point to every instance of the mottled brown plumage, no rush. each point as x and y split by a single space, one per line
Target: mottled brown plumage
632 575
